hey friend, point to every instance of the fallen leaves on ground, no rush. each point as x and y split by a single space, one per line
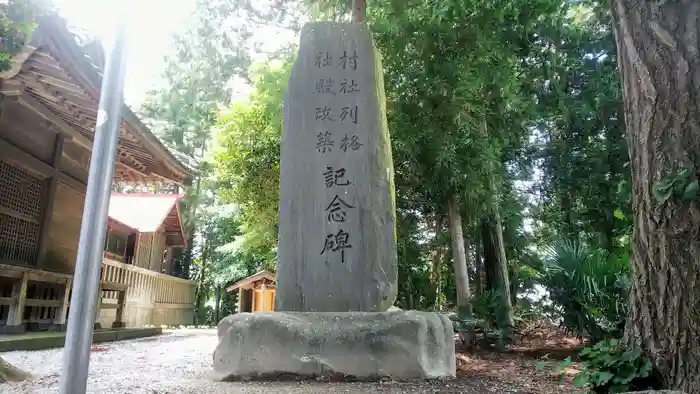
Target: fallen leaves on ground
514 369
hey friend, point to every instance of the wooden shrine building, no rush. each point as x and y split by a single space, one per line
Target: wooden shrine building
144 229
48 107
256 293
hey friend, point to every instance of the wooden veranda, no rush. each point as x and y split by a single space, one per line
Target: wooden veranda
48 109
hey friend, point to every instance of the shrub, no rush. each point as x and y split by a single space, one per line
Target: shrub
589 287
610 368
482 327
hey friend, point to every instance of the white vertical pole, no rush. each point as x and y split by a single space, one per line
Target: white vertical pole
76 354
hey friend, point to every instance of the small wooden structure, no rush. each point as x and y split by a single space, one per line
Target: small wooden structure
48 109
256 293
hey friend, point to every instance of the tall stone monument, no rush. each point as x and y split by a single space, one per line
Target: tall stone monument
336 271
337 242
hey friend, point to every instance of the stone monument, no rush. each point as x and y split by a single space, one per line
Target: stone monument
337 242
337 270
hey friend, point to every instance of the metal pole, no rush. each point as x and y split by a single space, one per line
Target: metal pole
76 354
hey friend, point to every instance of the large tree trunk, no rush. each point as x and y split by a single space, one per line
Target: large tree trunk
496 264
436 277
459 259
659 59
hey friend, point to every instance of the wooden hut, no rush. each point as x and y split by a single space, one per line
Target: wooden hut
256 293
48 107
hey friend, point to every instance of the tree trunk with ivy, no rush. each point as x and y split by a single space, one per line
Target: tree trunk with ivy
659 60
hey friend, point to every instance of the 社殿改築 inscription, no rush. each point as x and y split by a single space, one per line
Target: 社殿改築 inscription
348 113
325 142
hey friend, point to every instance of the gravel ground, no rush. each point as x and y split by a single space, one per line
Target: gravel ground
180 361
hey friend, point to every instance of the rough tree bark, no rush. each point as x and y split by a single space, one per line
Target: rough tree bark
459 259
659 60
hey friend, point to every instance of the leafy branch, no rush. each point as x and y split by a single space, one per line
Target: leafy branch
680 186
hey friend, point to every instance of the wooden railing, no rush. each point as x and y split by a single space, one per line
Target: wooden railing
162 294
33 297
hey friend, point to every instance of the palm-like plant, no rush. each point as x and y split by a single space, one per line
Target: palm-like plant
589 285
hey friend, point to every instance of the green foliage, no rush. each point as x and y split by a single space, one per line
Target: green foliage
590 287
483 326
415 290
18 18
611 368
247 157
486 307
680 185
579 142
213 50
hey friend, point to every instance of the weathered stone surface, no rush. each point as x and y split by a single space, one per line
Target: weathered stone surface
401 345
337 241
10 373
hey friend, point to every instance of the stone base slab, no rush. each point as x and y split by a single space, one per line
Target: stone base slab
359 345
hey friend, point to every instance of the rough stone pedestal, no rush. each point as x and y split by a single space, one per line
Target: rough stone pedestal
363 345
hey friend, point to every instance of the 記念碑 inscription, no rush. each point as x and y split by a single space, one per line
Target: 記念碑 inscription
336 77
333 177
337 242
337 210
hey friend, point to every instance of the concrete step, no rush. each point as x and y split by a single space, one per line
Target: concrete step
47 340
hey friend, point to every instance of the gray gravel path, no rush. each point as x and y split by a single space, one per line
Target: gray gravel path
180 361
